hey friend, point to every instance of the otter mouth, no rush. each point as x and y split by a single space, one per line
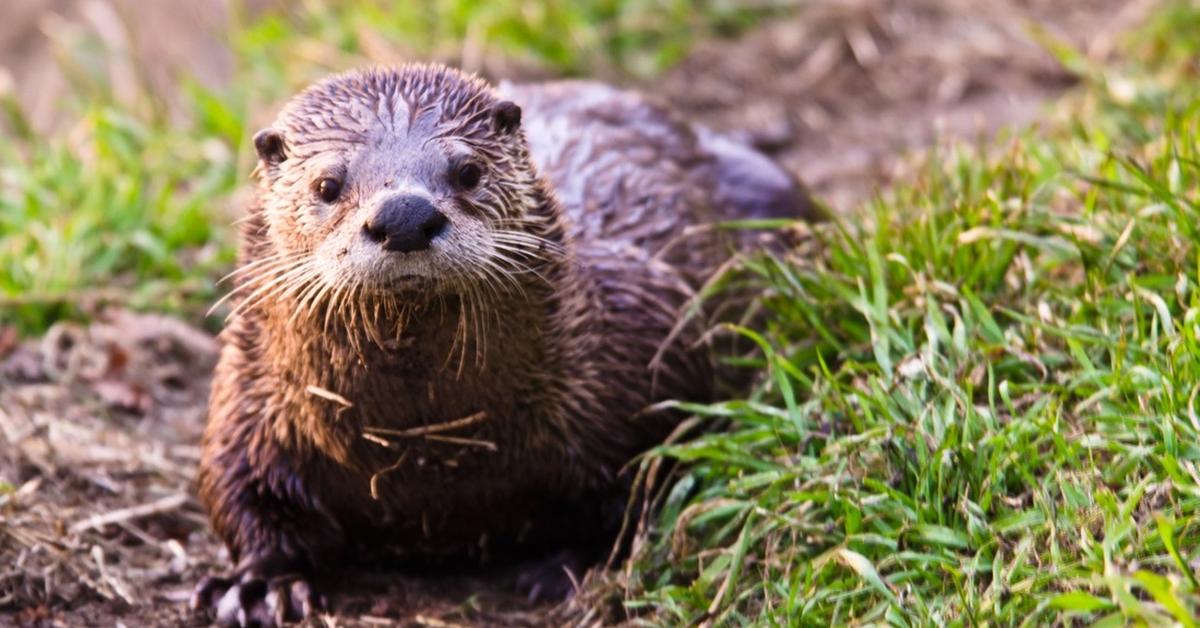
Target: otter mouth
406 282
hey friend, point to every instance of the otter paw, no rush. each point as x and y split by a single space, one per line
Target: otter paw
254 600
553 579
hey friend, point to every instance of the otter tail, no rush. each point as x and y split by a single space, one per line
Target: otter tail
750 185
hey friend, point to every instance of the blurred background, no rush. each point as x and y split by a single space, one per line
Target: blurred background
125 124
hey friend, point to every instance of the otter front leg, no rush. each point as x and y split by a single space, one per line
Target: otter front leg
253 598
276 530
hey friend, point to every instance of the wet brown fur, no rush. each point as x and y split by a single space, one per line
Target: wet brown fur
318 450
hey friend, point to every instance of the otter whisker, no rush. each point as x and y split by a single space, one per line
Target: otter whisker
538 244
482 289
351 293
309 298
514 257
496 278
333 308
458 343
258 264
526 225
358 319
260 288
315 300
460 336
479 324
522 227
491 307
518 249
497 282
251 281
280 285
291 292
353 305
391 313
534 246
467 317
299 281
301 293
371 319
514 267
490 273
472 326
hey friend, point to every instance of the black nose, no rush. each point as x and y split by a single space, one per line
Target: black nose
406 224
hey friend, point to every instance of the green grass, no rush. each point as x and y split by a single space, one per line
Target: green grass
127 216
981 394
132 202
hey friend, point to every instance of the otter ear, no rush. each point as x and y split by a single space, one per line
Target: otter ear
506 116
268 143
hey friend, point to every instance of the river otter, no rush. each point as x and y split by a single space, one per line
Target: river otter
454 309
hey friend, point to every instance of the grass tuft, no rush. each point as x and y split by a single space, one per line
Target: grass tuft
118 210
980 402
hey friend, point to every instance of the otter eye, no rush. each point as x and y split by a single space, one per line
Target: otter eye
329 189
467 176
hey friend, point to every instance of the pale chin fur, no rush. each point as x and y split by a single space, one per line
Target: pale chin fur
445 263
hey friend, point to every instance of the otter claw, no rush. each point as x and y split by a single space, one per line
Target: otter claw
210 589
553 579
256 601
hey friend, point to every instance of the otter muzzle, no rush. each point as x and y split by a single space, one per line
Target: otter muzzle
405 223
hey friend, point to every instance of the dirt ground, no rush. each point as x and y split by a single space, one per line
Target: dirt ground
100 425
844 91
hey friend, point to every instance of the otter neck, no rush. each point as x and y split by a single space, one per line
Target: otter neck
454 334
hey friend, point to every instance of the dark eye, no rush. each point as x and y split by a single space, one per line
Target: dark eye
467 176
329 189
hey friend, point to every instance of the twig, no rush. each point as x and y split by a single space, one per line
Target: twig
170 502
119 586
313 389
473 442
377 440
382 472
433 622
436 428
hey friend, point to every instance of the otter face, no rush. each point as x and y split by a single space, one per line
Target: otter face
408 180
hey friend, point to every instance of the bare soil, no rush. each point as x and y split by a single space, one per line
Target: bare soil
845 90
100 424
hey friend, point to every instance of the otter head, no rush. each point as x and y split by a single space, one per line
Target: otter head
408 181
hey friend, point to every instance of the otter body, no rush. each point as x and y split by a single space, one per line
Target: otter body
454 308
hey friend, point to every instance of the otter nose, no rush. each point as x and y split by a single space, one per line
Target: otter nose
406 224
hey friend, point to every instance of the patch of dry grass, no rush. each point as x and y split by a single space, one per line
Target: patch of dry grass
99 427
